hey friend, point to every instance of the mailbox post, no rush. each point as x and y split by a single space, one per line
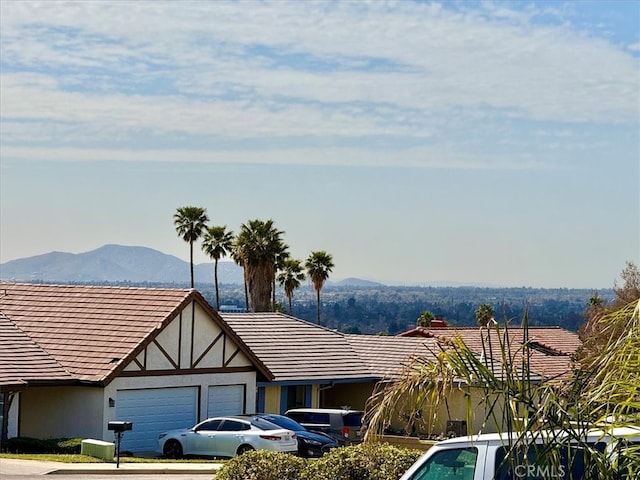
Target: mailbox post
118 428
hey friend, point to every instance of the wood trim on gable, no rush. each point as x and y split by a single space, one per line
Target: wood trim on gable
164 352
186 371
208 349
192 298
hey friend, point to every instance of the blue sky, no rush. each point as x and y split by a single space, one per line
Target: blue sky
460 142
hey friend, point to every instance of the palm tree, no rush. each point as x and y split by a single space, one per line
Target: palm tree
484 315
217 243
425 319
319 265
256 247
236 255
190 223
281 257
290 278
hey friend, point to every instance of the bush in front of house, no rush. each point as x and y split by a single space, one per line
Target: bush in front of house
262 465
366 461
65 446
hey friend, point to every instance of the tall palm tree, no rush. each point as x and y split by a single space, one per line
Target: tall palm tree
236 255
318 266
290 277
217 243
281 257
190 224
256 246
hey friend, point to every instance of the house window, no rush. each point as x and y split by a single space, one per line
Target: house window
260 399
295 396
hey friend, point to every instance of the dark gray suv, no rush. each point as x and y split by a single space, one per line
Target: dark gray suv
343 424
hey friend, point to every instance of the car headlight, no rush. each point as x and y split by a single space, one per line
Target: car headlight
314 443
162 435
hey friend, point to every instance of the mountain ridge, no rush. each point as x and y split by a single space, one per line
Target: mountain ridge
123 263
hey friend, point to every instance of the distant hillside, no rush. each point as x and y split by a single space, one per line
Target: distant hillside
115 263
119 263
356 282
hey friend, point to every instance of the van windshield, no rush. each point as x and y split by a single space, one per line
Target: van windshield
451 464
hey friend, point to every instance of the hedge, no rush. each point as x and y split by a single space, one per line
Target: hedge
69 446
359 462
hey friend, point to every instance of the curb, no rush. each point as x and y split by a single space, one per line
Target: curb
134 471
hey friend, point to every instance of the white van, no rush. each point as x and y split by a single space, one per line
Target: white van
485 457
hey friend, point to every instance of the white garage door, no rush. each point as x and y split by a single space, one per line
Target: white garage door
225 400
153 411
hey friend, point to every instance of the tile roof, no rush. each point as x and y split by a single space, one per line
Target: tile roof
293 349
551 347
22 360
88 330
388 357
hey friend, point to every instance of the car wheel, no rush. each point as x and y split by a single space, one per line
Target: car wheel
244 449
172 449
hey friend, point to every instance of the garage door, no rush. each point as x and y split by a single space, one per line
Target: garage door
153 411
225 400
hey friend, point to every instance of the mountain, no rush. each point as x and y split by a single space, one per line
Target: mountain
115 263
357 282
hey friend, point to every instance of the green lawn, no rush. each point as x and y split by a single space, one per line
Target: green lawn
47 457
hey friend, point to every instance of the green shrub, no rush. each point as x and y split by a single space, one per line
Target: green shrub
68 446
366 461
262 465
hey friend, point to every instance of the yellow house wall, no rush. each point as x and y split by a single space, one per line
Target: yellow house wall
272 400
455 408
47 412
354 395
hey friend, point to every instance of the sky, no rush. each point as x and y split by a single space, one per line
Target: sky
419 143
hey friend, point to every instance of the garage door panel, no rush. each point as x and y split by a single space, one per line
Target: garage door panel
153 411
225 400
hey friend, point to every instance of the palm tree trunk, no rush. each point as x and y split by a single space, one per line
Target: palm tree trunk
246 289
191 261
215 277
290 304
273 294
318 296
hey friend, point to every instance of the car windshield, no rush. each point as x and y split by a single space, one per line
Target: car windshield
284 422
265 424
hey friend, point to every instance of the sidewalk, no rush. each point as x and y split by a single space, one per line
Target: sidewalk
10 466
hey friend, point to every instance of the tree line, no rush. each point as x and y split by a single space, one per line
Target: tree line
259 249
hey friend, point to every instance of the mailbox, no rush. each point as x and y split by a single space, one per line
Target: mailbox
119 426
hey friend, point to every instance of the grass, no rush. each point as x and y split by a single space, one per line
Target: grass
48 457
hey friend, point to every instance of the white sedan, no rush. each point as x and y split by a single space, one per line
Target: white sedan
227 437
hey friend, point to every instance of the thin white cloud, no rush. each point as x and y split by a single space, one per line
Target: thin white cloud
110 71
423 157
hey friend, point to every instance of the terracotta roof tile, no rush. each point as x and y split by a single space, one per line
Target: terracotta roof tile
551 347
85 327
293 349
22 360
388 357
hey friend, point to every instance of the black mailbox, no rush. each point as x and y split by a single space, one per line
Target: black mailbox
119 426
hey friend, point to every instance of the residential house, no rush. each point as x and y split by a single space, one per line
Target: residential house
74 358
